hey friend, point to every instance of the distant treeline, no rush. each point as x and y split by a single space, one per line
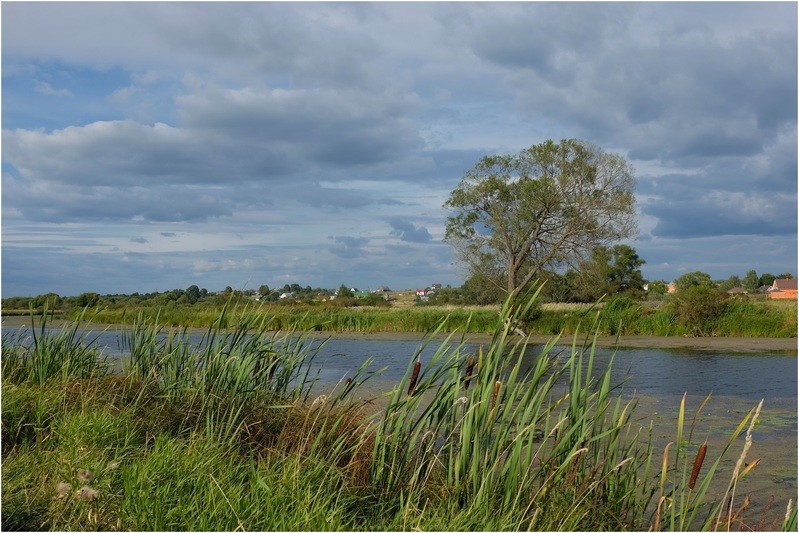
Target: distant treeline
699 307
193 296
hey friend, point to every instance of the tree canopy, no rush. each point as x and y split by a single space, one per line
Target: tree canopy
612 271
693 279
543 208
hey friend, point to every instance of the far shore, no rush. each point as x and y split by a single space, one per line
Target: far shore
726 344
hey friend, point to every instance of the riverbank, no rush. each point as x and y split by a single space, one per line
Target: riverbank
726 344
241 442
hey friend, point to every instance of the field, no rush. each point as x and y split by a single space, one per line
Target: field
230 436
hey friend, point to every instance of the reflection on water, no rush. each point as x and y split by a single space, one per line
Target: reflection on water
657 378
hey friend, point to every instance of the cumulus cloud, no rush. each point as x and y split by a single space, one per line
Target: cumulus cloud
56 202
348 247
333 126
408 232
290 122
716 102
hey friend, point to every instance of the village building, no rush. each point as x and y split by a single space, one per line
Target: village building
783 289
672 288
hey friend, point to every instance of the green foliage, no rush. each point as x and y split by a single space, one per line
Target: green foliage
50 301
657 289
87 299
67 355
730 283
611 271
698 307
560 288
766 279
743 317
193 294
480 289
693 279
516 215
202 438
751 282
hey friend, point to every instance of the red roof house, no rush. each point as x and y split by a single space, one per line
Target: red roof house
783 289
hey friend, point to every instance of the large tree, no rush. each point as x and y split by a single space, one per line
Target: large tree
543 208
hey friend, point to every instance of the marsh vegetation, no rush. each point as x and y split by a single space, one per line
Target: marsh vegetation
234 434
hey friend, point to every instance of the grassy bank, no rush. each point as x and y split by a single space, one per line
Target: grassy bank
621 316
314 318
233 435
734 318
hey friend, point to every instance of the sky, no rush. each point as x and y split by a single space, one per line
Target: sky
152 146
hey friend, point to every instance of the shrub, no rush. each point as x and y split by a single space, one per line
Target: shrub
698 308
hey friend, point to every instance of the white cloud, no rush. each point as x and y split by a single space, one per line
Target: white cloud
46 88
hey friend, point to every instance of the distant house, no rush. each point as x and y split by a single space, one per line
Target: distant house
382 288
287 296
672 288
736 290
421 292
783 289
435 286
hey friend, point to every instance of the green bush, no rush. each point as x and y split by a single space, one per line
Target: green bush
698 308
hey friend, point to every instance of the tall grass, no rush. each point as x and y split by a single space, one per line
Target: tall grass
232 433
42 357
537 456
317 318
620 316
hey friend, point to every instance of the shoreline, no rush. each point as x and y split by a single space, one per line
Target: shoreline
731 344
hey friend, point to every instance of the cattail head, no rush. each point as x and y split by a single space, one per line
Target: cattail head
497 385
319 400
469 369
415 375
700 458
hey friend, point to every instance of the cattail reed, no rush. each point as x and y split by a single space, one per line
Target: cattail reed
469 369
700 458
416 367
497 385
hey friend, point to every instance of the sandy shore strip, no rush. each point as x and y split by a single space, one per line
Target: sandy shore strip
719 344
